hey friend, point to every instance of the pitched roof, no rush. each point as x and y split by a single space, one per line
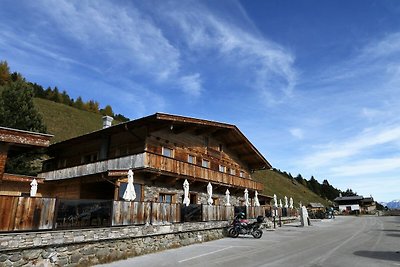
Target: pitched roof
348 198
230 134
316 205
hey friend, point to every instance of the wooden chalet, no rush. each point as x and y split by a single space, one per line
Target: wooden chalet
357 204
162 150
14 141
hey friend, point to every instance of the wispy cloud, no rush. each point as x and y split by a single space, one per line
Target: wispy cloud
127 37
266 67
368 166
297 133
191 84
342 150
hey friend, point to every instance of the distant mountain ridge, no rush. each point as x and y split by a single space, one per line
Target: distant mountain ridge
394 204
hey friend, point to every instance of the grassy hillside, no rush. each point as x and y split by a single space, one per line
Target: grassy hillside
65 122
275 183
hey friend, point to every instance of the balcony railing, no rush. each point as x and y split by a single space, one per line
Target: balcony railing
122 163
155 162
174 166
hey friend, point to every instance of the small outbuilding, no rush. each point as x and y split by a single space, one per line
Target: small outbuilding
315 207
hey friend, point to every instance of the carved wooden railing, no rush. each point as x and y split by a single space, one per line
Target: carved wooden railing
174 166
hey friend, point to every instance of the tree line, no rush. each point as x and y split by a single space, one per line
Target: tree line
54 94
324 190
18 111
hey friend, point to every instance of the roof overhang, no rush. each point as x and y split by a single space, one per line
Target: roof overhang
17 139
230 134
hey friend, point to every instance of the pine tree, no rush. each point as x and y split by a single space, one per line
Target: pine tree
79 103
107 111
17 109
4 73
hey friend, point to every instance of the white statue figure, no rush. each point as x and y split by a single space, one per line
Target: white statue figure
130 193
186 199
300 204
291 203
280 203
286 202
209 192
256 202
227 197
34 185
275 201
246 198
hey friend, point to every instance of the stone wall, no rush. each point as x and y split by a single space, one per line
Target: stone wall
85 247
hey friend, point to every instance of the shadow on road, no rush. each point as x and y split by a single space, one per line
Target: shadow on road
393 235
390 230
382 255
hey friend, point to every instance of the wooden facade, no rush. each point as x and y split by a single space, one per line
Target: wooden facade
163 150
32 213
13 141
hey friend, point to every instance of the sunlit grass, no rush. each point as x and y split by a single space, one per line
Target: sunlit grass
275 183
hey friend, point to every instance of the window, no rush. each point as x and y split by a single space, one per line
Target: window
220 147
221 168
192 159
241 174
232 171
138 191
215 201
167 152
206 141
165 198
62 163
205 163
89 158
193 198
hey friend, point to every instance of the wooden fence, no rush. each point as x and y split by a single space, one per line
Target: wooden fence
27 213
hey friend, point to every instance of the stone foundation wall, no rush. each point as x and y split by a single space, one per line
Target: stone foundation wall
85 247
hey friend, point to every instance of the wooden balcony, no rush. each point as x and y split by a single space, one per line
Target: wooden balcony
193 171
122 163
155 162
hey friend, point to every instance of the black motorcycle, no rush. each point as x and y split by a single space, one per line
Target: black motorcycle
240 227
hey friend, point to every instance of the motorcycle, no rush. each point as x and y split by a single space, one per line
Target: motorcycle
243 227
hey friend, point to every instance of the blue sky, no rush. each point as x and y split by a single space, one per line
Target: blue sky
314 85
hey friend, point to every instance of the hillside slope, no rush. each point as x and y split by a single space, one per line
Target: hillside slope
65 122
275 183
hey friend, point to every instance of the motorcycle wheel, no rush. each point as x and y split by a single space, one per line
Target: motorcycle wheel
233 233
257 233
230 230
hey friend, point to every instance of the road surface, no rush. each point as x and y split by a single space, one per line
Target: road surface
345 241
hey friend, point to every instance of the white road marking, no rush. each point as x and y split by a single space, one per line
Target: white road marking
205 254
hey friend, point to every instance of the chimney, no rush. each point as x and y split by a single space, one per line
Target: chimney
107 121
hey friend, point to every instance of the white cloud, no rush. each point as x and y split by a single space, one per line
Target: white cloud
265 66
371 138
387 46
297 132
366 167
125 35
191 84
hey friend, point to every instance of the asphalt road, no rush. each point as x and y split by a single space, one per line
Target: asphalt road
345 241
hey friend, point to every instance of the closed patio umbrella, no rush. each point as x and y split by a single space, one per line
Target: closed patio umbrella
34 185
186 199
130 193
256 201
